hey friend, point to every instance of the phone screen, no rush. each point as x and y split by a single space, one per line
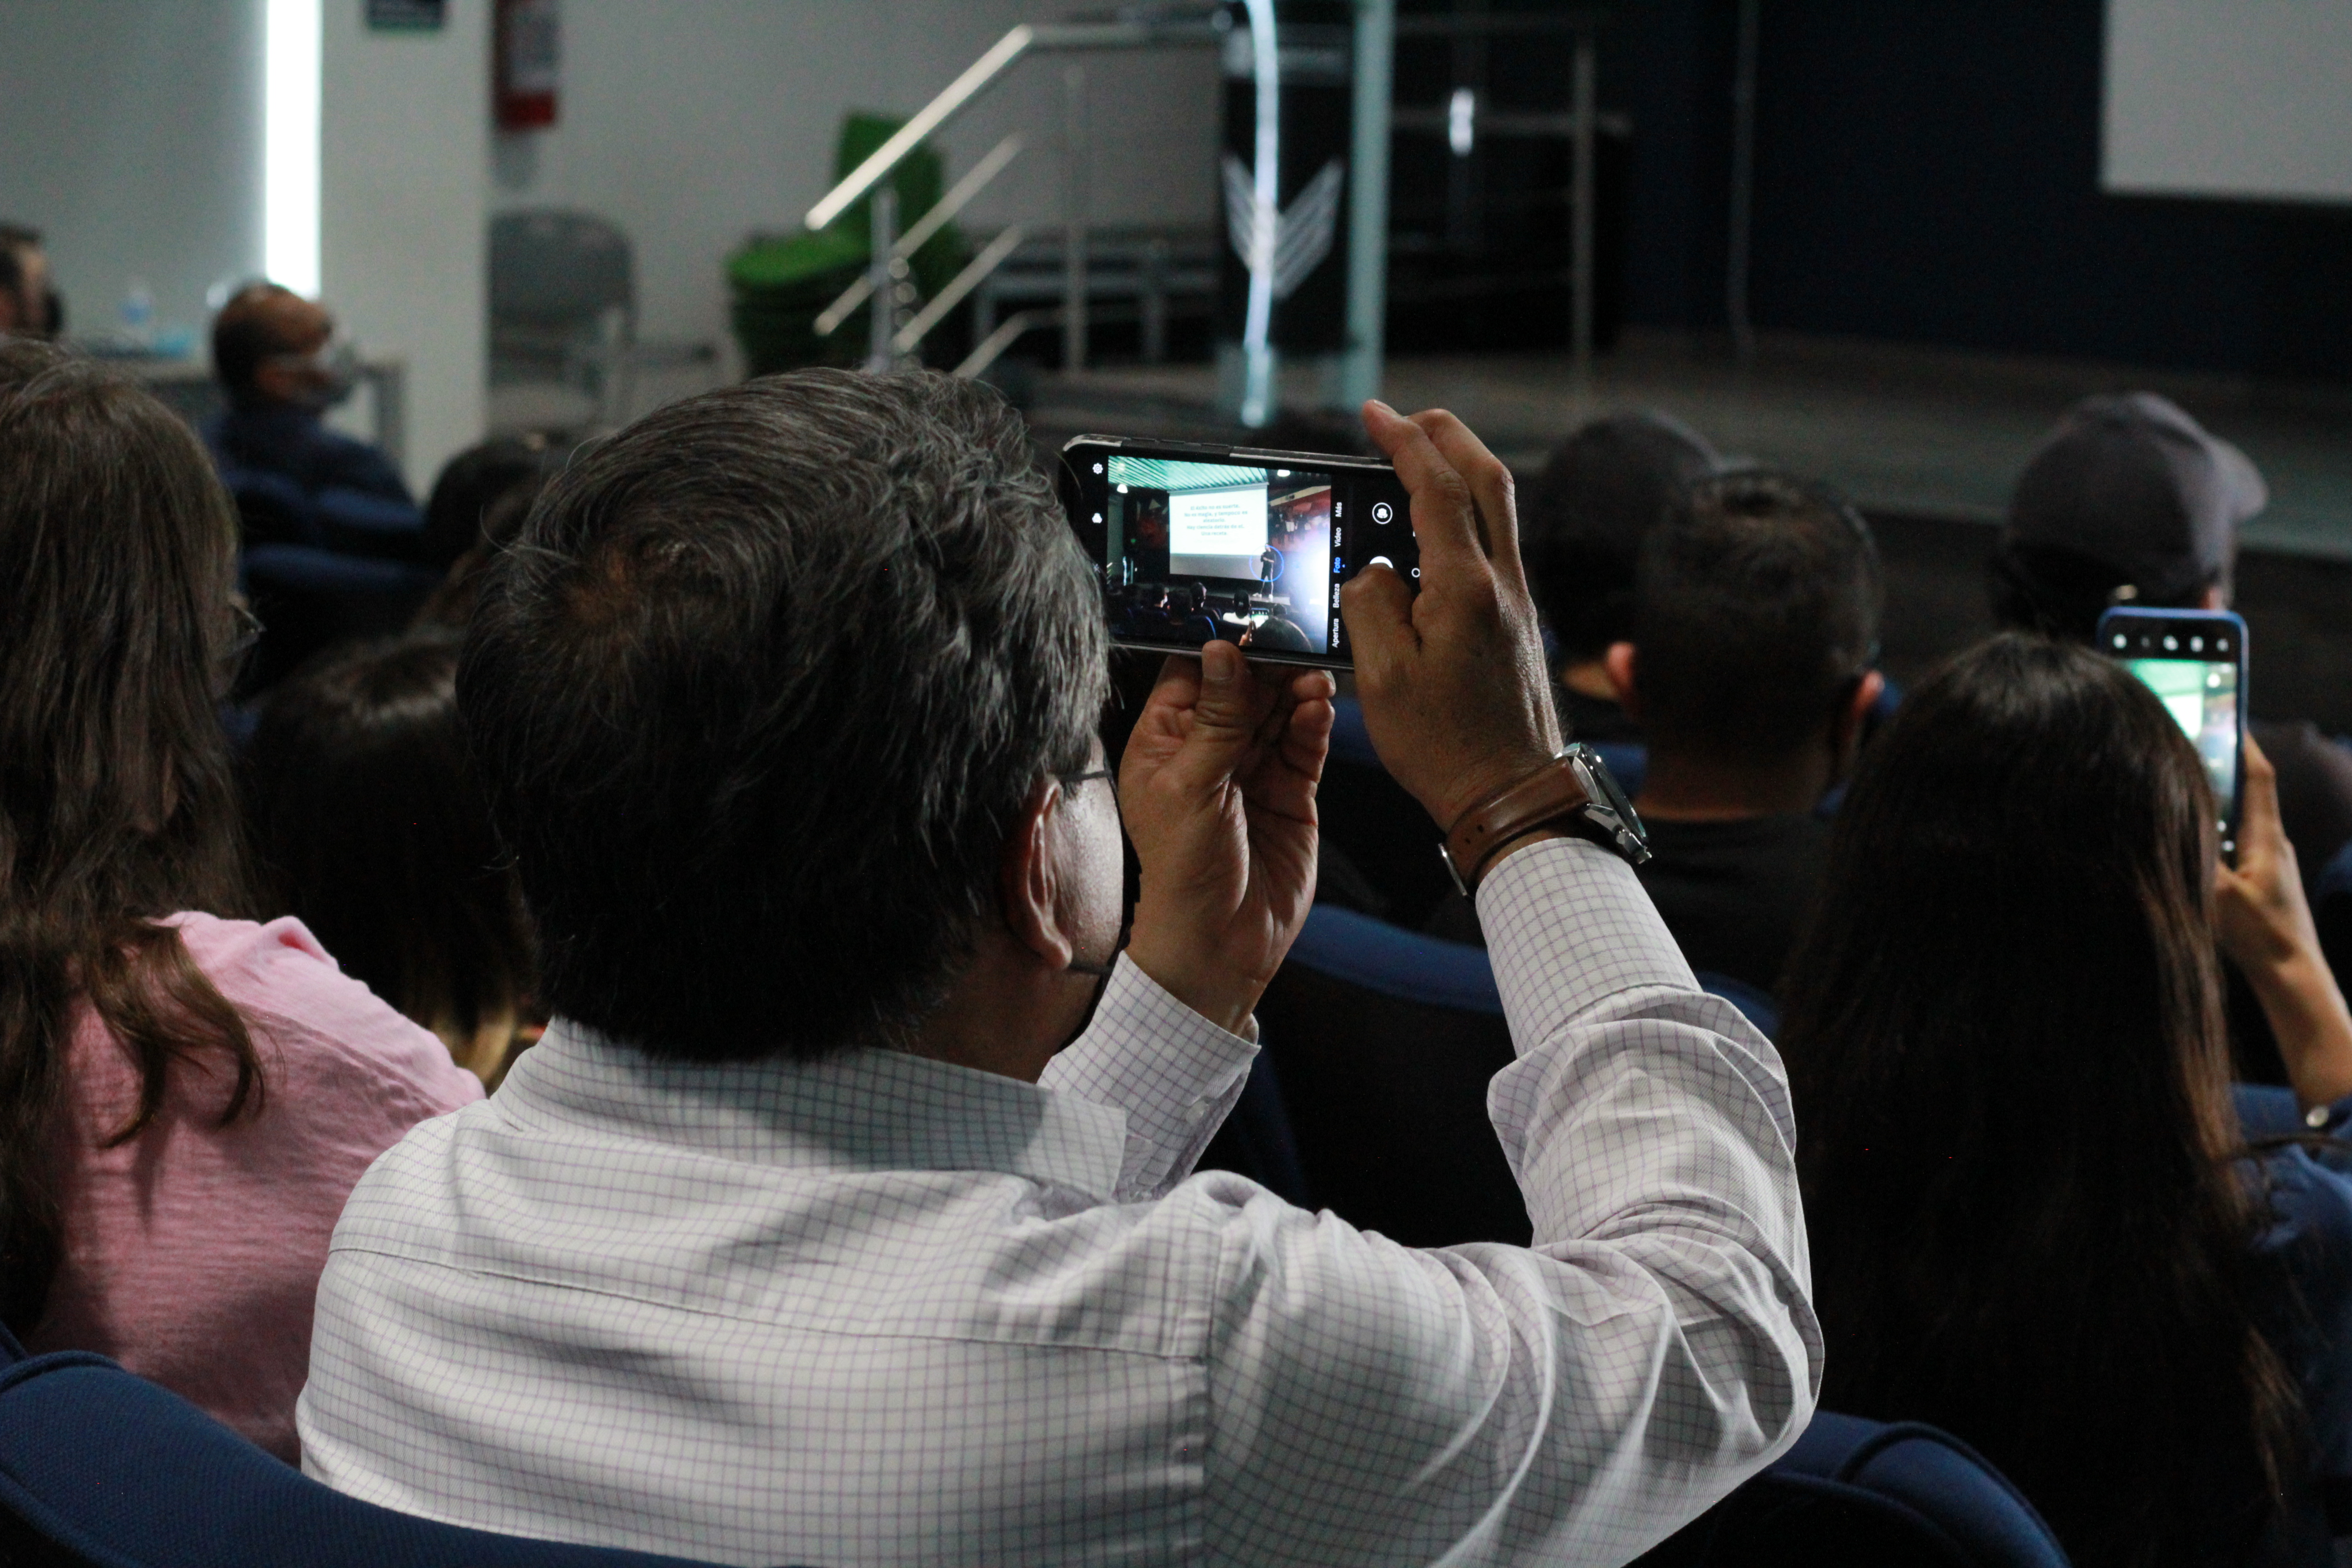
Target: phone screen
2202 696
1251 548
2194 665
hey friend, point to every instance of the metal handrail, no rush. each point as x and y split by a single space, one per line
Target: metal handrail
961 194
985 352
929 117
982 73
962 284
884 271
1376 25
930 223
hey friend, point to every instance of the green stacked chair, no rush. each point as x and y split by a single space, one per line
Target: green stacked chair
781 285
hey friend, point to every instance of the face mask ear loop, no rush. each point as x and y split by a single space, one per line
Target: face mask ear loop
1101 973
1086 1019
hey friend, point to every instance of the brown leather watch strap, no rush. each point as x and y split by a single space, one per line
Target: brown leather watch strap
1549 796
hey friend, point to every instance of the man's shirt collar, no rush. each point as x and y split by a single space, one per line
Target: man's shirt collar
861 1109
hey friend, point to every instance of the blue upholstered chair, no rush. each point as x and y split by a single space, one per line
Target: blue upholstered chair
99 1469
1406 964
1869 1494
1386 1040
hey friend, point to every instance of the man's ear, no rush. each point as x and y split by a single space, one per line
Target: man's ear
1845 728
1619 662
1028 883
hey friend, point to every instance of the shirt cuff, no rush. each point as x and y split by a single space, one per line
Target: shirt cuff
1568 925
1175 1074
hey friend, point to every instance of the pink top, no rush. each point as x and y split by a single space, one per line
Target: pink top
193 1252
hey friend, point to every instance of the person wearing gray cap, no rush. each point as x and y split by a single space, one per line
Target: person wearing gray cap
2131 501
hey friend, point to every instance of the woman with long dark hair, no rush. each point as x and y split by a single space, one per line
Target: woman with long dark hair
187 1098
2035 1219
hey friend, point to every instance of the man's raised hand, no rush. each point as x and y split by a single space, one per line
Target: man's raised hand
1217 789
1455 692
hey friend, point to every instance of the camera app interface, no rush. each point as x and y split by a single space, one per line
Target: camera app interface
1198 551
2201 695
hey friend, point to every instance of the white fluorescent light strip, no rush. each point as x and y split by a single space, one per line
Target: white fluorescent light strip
293 53
1265 233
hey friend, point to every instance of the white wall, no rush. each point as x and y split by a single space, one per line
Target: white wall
132 130
404 180
2230 97
693 122
132 138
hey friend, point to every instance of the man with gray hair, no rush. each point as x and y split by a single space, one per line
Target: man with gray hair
846 1214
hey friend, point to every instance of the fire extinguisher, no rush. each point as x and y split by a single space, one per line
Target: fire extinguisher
529 48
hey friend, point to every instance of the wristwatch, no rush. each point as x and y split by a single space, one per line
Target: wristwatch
1572 793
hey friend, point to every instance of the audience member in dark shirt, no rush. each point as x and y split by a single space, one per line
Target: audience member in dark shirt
1735 889
295 480
1755 625
1601 492
1755 622
2130 501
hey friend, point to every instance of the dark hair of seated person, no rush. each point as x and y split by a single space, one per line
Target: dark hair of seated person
450 605
758 694
117 802
1583 518
475 482
31 315
367 826
2004 1040
1757 614
248 330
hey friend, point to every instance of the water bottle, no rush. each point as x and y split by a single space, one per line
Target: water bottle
139 315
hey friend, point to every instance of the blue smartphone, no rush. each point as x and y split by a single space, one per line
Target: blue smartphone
2195 662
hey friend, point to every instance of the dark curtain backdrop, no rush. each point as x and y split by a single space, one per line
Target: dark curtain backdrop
1928 172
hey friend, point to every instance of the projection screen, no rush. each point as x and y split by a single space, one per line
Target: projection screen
2250 99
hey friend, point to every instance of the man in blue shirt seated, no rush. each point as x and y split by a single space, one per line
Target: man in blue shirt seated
296 481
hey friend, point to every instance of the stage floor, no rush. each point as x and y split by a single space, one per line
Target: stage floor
1923 432
1928 442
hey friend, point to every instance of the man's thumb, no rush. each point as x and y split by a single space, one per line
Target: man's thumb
1224 706
1223 722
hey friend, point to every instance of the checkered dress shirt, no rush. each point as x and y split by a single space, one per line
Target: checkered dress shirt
881 1310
